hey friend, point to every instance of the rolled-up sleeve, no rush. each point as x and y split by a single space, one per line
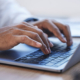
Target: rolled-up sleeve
11 13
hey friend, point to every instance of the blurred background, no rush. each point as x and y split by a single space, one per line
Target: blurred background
52 8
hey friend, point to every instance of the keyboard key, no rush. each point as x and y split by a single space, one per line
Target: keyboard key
42 63
49 64
62 62
59 55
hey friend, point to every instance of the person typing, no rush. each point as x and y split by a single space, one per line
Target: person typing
17 25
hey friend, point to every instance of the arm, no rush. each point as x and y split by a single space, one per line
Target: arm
11 13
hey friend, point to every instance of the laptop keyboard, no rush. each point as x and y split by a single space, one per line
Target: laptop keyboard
59 55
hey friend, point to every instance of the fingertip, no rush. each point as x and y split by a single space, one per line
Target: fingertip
38 44
51 44
69 43
47 51
64 40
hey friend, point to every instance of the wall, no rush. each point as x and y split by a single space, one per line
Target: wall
52 8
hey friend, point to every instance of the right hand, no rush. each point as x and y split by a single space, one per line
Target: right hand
24 33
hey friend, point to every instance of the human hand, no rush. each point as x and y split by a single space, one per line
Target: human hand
24 33
56 28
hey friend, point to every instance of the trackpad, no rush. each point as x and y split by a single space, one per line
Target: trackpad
16 52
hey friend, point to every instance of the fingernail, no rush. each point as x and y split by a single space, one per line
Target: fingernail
49 50
51 45
64 40
70 43
38 44
46 50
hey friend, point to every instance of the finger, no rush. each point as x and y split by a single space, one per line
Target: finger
43 37
36 27
50 43
33 36
53 28
41 34
27 40
46 41
44 47
66 31
46 35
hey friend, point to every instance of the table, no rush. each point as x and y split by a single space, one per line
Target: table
17 73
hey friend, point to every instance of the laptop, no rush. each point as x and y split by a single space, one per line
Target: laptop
60 59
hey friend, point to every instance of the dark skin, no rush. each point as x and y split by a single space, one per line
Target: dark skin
32 34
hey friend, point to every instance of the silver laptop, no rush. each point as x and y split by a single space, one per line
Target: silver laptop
60 59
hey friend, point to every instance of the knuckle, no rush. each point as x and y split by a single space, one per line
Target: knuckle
22 25
55 29
56 35
23 38
40 32
66 26
12 29
44 46
46 20
32 43
19 25
23 22
36 35
16 31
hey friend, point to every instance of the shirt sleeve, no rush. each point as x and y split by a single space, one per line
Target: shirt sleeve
11 13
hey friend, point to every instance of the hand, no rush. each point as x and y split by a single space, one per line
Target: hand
56 28
24 33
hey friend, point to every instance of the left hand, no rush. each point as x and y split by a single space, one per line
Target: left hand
56 28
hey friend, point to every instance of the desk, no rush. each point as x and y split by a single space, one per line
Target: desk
18 73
